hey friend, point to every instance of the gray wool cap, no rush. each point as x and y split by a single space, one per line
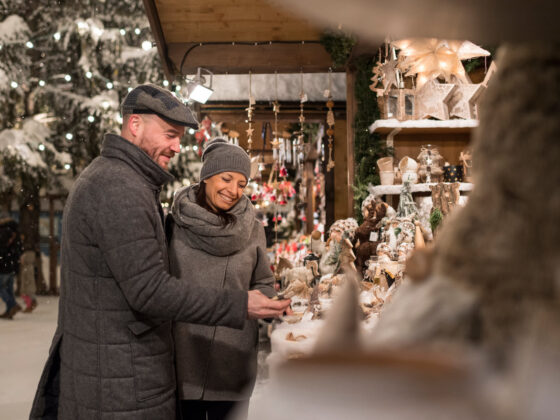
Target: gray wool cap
152 99
221 156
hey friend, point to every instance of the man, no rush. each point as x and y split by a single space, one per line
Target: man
111 356
10 252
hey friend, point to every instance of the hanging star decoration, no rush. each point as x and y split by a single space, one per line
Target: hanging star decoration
275 109
300 133
250 109
430 58
432 99
330 132
377 76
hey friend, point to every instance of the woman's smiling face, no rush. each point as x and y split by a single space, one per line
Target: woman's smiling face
224 190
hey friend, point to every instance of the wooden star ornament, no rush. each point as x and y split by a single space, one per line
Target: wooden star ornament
463 101
432 100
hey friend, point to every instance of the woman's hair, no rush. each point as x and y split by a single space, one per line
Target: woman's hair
225 217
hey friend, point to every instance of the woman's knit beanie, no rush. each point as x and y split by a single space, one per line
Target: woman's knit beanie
222 156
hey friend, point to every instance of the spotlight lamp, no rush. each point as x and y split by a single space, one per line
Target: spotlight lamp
199 89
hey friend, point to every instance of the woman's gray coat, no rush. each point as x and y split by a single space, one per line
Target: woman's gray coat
217 363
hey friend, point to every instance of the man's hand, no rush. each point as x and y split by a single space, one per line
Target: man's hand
259 306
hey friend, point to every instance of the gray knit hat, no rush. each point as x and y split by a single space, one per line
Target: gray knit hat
152 99
221 156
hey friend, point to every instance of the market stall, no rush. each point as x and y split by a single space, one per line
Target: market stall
430 255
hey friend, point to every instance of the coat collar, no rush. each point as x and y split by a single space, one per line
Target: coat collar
204 229
115 146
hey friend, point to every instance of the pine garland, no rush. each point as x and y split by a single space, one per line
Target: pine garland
339 46
368 147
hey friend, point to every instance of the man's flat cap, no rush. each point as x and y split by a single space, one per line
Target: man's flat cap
152 99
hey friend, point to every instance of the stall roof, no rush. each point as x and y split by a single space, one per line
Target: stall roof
235 37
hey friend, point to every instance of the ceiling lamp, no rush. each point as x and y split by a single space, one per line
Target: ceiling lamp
197 88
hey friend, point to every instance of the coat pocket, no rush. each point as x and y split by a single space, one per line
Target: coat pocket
152 358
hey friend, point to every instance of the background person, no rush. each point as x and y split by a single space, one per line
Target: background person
218 242
28 286
112 353
10 252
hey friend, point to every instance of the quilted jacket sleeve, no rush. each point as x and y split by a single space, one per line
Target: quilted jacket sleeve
126 225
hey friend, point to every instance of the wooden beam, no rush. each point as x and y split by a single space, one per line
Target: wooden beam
340 171
227 20
157 32
242 59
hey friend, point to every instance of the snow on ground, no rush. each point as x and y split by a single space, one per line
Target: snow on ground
24 346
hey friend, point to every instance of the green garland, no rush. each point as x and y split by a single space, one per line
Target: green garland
368 147
339 46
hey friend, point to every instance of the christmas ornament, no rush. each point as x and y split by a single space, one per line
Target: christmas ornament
429 58
431 100
250 109
407 207
330 124
463 101
387 71
300 134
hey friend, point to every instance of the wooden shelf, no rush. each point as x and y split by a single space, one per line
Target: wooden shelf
422 126
406 137
421 187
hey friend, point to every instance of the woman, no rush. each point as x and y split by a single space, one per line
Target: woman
216 241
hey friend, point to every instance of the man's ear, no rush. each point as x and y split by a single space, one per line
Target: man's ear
135 124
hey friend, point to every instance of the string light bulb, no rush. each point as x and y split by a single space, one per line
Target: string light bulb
137 31
67 166
42 83
69 136
67 77
165 83
89 74
56 36
109 85
91 118
41 147
14 84
146 45
123 32
29 44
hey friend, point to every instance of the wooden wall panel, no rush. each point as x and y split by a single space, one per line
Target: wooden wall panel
449 145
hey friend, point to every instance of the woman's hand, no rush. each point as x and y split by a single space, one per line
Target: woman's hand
259 306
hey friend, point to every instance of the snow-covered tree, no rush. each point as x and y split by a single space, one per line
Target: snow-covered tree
65 66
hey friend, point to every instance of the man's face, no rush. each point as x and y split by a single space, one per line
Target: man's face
159 139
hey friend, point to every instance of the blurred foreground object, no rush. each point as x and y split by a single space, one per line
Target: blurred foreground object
488 21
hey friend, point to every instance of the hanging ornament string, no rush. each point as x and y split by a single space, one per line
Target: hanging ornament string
330 123
250 110
300 134
273 180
